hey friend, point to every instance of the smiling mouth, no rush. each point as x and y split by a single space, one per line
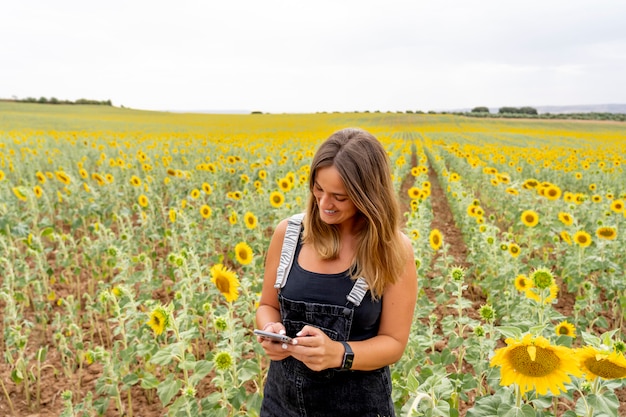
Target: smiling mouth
330 211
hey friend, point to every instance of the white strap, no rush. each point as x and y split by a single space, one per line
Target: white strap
292 234
358 291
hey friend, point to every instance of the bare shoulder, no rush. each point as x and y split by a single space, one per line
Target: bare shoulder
408 244
279 233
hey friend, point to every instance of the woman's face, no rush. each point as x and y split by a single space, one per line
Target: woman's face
331 196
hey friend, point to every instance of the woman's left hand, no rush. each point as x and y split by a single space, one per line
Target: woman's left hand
316 350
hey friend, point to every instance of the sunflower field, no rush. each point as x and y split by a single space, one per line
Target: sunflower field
132 246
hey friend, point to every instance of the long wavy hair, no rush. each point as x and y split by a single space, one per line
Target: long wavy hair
364 167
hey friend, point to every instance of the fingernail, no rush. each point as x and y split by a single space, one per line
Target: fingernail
294 342
282 331
284 346
299 334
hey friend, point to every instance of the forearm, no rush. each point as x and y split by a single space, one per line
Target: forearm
376 352
266 314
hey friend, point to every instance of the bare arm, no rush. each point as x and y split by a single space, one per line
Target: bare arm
268 312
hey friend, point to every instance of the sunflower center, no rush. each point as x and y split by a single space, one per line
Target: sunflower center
222 284
542 362
564 330
605 368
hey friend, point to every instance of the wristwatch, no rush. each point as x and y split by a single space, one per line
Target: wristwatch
348 357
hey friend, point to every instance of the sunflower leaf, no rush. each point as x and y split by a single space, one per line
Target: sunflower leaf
168 388
510 331
607 403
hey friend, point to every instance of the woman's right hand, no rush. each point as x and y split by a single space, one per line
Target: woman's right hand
274 350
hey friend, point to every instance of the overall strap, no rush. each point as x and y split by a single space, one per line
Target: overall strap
292 234
358 292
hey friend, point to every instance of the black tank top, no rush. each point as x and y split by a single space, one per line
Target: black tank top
312 287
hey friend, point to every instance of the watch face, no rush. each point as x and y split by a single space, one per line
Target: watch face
347 363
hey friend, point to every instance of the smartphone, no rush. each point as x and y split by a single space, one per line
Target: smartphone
273 336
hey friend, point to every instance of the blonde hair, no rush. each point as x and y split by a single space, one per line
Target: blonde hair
364 167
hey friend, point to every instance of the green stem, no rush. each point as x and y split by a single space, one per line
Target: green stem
6 394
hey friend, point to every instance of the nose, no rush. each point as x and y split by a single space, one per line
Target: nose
324 201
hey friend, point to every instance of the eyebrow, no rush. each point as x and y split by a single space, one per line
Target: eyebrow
335 194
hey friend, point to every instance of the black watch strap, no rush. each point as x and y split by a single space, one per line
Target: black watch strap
348 356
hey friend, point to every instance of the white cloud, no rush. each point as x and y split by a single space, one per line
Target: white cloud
315 56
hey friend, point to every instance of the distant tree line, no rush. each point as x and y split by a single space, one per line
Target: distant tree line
532 113
54 100
516 113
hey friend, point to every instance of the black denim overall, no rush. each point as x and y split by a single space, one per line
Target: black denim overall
293 390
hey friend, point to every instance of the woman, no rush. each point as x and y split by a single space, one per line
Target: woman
348 294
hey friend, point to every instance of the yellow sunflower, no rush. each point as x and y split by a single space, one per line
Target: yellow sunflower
284 184
415 234
250 220
566 218
98 178
63 177
159 320
135 181
530 218
597 363
552 192
582 238
530 184
533 363
565 328
536 294
206 187
40 176
606 232
566 237
232 219
142 200
435 239
18 193
277 199
514 250
414 192
205 211
38 191
226 282
522 283
172 215
243 253
195 193
617 206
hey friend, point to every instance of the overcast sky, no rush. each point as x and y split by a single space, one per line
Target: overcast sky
309 56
